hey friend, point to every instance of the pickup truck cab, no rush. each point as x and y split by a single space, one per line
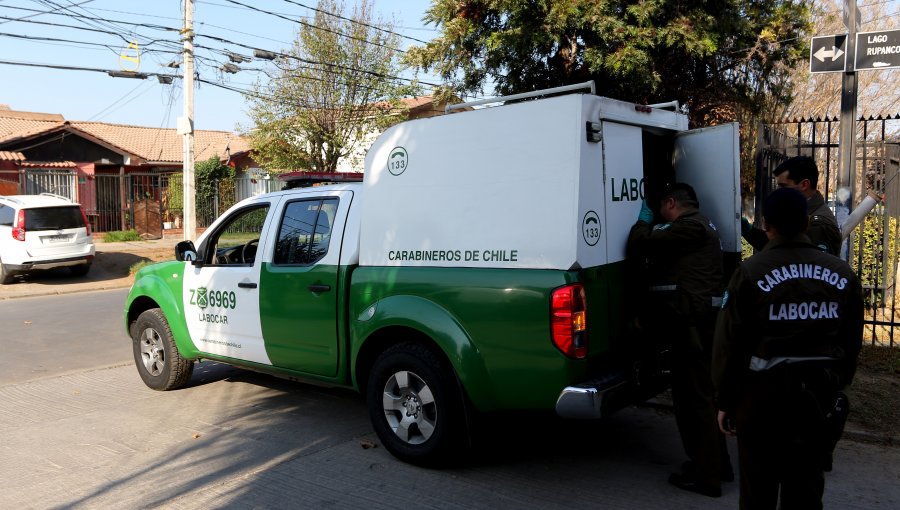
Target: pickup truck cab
480 266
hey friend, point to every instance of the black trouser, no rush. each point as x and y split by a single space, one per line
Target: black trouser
780 441
692 397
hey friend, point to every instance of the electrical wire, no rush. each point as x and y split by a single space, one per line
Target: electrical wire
316 27
356 22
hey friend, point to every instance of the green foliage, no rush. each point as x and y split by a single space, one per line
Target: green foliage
118 236
719 57
175 195
337 86
211 176
874 253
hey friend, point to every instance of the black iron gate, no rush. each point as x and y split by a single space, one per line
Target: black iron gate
873 248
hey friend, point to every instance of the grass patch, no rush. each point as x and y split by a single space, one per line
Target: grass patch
140 265
119 236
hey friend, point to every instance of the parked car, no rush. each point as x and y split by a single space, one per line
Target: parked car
43 231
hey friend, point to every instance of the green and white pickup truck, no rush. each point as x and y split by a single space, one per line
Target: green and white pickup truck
480 266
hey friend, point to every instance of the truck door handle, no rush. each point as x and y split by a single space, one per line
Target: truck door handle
319 288
247 285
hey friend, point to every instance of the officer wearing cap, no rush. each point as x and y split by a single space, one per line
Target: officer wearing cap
684 255
786 343
801 174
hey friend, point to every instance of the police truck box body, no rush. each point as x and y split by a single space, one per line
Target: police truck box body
479 267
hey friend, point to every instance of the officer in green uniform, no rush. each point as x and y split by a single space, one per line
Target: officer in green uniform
786 343
801 174
684 255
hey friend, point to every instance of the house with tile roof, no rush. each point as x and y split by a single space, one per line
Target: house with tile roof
102 166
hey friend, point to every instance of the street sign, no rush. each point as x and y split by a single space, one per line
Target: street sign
828 54
877 50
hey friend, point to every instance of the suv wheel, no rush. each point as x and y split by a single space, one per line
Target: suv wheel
5 276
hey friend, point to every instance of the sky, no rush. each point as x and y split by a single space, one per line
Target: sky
95 96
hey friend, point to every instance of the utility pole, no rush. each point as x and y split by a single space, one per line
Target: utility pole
847 149
186 125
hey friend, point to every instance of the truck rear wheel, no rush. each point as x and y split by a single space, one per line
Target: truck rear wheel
157 358
416 406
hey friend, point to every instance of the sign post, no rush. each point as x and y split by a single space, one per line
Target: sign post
847 147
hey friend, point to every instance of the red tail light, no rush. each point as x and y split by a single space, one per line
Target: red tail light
18 231
568 320
87 226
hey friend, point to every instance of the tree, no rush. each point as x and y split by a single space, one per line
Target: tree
720 58
337 83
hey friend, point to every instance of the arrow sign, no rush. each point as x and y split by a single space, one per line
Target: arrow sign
827 54
878 50
834 53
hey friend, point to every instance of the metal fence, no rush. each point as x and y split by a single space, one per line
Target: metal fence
872 249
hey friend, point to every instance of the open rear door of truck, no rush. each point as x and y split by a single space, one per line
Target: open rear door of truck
709 160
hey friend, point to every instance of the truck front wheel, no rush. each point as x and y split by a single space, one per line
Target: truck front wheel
416 407
158 361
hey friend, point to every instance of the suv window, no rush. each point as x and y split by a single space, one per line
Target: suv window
53 218
305 231
7 214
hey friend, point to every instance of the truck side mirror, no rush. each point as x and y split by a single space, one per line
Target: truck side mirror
186 252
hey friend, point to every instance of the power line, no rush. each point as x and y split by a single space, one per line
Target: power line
111 72
100 114
48 23
357 22
38 13
221 40
73 42
316 27
307 61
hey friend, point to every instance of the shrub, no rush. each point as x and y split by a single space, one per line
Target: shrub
118 236
874 254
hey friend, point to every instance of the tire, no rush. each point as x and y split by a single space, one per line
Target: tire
407 377
5 276
157 358
80 270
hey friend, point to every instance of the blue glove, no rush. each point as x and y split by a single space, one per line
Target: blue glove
646 215
745 226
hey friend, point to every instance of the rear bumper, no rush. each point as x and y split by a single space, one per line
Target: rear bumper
50 263
596 398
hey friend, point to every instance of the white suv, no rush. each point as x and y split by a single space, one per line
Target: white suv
43 232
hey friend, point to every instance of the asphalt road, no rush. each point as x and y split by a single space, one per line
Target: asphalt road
96 437
51 335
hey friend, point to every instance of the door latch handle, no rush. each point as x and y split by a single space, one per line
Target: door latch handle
247 285
319 288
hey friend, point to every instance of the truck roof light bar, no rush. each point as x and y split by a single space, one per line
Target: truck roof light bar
306 179
525 95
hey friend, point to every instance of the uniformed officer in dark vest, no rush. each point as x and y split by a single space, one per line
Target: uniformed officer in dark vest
786 343
801 174
684 257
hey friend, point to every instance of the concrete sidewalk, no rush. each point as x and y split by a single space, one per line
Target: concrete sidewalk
109 270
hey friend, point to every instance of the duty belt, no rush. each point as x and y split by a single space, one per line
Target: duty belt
714 301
